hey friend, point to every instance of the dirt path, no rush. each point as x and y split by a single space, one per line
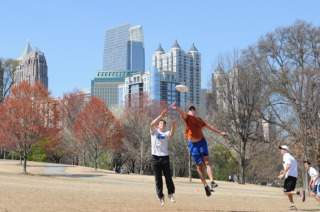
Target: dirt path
106 191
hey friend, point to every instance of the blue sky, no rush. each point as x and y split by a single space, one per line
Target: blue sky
71 32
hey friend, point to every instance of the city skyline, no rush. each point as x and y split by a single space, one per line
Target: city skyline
73 41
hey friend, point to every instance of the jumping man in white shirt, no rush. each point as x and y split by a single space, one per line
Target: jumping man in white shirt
160 157
290 173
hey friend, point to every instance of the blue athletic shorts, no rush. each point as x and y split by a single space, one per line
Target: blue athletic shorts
198 150
316 189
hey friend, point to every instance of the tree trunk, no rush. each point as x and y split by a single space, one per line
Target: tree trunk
241 171
84 158
242 163
20 158
141 159
173 167
305 184
25 162
190 177
95 164
4 155
95 161
12 155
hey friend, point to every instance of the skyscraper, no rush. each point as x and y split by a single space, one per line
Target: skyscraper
186 67
123 55
33 67
124 49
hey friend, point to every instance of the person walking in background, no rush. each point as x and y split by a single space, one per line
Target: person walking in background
314 180
290 173
197 143
230 178
235 179
160 158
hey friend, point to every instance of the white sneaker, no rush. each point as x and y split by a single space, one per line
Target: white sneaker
171 198
162 201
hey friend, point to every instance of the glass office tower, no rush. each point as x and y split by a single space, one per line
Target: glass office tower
124 48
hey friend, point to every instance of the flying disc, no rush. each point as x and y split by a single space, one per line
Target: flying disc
182 88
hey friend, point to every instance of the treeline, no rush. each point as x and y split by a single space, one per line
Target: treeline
274 82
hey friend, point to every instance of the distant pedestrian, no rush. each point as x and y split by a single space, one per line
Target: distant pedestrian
314 179
290 173
230 178
235 179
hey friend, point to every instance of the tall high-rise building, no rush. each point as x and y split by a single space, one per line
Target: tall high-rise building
33 67
123 55
124 49
186 67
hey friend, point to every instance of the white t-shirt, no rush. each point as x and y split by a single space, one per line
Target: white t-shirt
313 173
288 159
159 142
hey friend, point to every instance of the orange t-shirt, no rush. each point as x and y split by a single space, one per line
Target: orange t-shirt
194 127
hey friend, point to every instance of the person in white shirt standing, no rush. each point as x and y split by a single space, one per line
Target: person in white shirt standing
314 181
160 157
290 173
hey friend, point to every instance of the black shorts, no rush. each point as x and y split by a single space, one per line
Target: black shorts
289 184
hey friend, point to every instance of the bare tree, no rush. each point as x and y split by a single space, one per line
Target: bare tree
7 69
291 69
72 105
238 95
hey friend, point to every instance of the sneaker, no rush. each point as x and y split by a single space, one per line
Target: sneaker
171 198
303 195
213 185
208 192
292 208
162 201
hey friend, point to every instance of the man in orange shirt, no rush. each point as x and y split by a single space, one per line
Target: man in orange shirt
197 143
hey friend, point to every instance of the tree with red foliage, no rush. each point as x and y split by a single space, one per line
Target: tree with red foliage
97 129
28 116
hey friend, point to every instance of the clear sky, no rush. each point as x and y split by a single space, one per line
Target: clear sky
71 32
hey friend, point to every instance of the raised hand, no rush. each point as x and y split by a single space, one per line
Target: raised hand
174 122
164 113
174 105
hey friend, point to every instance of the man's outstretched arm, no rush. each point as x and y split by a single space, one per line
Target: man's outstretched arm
174 106
212 128
154 122
172 128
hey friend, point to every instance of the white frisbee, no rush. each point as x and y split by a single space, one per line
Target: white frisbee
182 88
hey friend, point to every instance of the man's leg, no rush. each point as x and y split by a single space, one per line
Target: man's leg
314 193
201 174
168 177
202 177
157 171
208 166
316 196
291 193
291 200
